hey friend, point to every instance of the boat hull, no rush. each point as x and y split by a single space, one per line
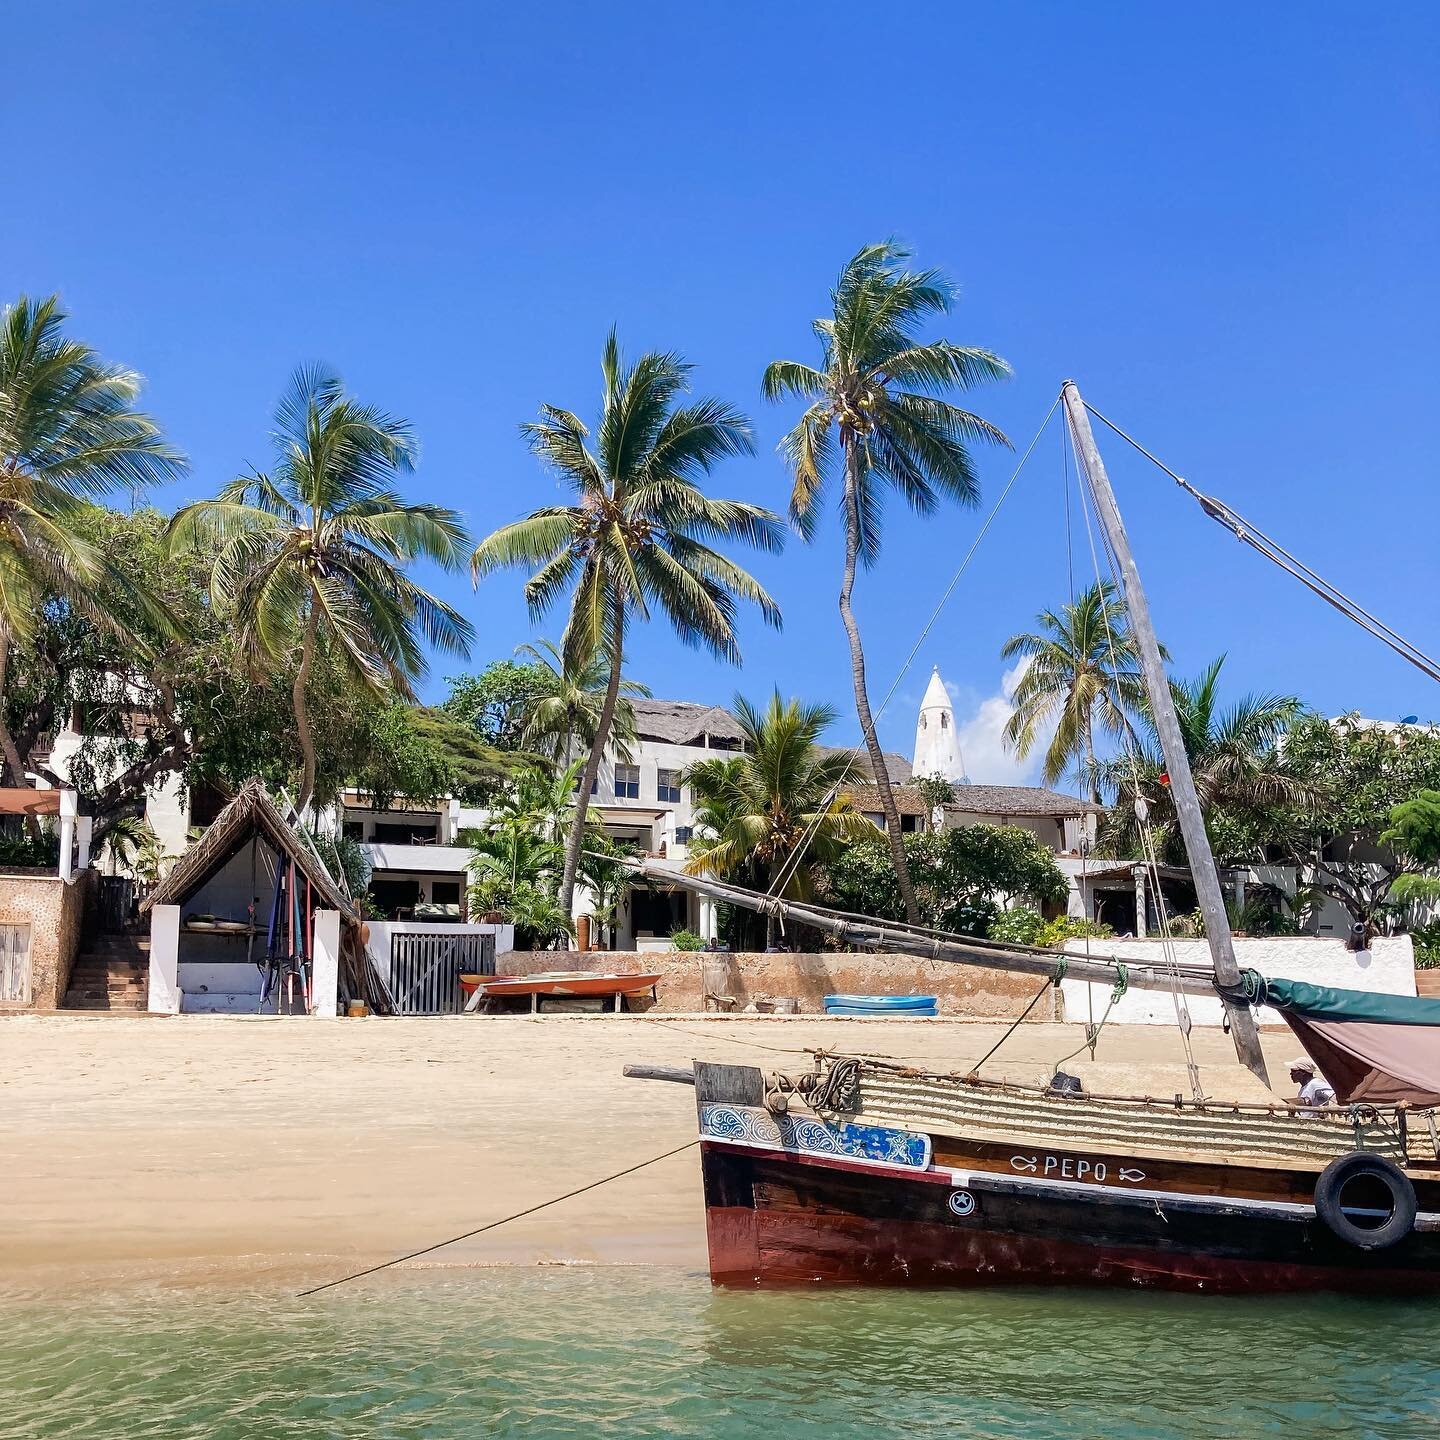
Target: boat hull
800 1220
800 1199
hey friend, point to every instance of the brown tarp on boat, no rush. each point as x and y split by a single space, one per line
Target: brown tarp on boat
1383 1049
1380 1064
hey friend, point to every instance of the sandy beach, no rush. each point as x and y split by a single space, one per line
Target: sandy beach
215 1149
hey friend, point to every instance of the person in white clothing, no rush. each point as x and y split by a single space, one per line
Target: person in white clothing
1315 1090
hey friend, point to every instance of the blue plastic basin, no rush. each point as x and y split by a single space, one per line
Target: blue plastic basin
881 1014
882 1002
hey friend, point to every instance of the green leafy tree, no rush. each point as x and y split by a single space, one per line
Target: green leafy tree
496 701
564 718
637 537
1083 669
1366 827
774 813
313 554
69 433
878 394
964 877
1243 778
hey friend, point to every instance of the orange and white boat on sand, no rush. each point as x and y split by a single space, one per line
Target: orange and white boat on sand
568 983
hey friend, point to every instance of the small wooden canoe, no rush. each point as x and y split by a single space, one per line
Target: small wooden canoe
569 983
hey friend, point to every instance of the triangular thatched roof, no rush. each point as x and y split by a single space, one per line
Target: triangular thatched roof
251 812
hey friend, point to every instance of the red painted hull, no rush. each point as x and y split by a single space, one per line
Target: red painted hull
776 1220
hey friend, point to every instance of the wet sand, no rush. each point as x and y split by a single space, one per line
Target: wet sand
202 1149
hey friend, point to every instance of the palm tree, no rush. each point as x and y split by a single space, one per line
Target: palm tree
568 712
775 811
313 553
1083 667
1241 777
879 389
69 433
636 535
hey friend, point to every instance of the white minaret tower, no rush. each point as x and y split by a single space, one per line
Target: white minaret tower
937 747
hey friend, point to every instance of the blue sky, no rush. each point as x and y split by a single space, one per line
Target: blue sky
1222 222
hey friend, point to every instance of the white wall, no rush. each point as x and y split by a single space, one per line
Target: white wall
1387 968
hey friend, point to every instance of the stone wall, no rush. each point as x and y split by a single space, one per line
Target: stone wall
961 990
54 911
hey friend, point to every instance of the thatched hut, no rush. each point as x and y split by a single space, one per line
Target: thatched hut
240 908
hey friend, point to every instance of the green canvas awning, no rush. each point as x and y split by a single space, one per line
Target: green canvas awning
1323 1002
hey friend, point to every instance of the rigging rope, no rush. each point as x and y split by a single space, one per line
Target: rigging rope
504 1220
1277 554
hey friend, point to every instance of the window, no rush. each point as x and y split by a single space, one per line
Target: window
445 892
353 829
407 832
627 782
909 824
944 721
667 786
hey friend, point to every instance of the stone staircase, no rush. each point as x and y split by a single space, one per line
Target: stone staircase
112 972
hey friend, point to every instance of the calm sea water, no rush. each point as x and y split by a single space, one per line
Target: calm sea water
657 1353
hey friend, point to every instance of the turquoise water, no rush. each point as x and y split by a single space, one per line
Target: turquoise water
639 1353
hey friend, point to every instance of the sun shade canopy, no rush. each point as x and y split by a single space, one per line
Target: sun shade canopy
1383 1049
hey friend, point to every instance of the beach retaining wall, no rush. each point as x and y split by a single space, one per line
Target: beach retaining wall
686 976
1386 968
53 912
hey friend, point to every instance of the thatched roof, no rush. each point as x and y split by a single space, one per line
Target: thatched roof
908 800
1019 800
681 722
252 812
897 767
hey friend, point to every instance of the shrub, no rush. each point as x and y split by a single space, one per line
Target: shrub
687 940
1017 927
1054 933
1426 939
24 852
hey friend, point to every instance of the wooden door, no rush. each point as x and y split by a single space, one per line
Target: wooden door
14 965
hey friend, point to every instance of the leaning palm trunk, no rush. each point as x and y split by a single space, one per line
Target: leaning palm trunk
587 780
862 699
302 713
7 741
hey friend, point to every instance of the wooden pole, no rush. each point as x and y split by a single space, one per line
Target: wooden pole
986 954
1172 745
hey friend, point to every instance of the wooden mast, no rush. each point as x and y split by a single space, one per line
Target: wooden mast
1172 745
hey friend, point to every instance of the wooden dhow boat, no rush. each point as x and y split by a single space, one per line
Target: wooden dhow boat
864 1171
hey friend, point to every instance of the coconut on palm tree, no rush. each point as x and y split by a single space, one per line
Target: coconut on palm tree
773 813
560 724
637 537
313 553
69 433
1082 669
1235 756
879 394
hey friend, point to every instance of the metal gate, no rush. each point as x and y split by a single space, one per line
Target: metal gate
426 966
117 896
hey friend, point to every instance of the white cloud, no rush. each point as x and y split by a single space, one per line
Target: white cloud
980 728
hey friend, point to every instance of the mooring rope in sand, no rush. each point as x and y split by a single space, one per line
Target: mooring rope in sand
505 1220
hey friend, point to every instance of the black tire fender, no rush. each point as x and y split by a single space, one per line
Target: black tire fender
1356 1165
